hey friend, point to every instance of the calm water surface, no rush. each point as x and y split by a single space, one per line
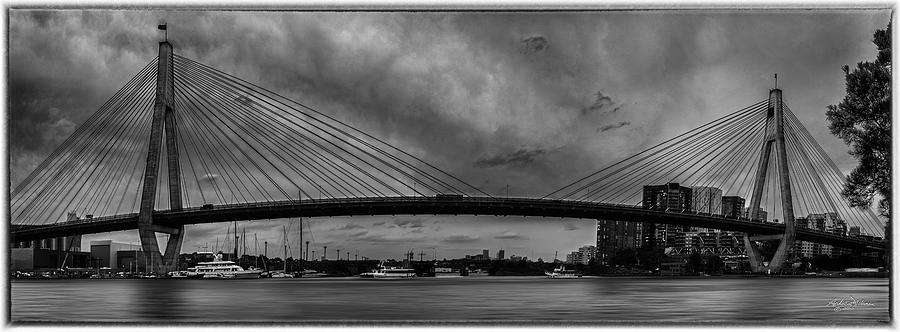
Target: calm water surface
639 300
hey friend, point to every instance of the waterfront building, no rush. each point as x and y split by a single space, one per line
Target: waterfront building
587 253
615 235
485 255
761 216
732 206
582 256
573 257
104 252
854 231
706 200
669 197
501 254
40 258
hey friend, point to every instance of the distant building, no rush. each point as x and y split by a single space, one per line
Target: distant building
824 222
668 197
854 231
131 260
37 258
761 216
500 254
582 256
614 235
706 200
104 253
485 254
587 253
732 206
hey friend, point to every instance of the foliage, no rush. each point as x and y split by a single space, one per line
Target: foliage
863 121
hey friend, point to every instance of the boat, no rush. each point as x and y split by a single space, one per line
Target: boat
280 274
383 272
219 269
312 274
562 273
447 272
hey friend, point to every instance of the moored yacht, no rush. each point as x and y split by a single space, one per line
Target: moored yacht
562 273
219 269
390 273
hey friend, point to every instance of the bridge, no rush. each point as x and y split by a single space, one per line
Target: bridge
232 150
526 207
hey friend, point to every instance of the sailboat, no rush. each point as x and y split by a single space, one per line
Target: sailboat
283 273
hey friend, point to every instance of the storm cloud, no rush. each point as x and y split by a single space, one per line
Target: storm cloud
614 126
519 157
534 44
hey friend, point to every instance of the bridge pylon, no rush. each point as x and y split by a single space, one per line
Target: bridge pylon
774 135
162 125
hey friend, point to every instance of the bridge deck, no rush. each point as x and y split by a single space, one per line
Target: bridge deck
528 207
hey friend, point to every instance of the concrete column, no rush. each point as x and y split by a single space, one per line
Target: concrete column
774 135
786 247
164 97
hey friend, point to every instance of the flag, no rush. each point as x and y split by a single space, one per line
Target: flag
162 27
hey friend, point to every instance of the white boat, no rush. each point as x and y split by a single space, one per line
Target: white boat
562 273
390 273
312 274
446 272
280 274
219 269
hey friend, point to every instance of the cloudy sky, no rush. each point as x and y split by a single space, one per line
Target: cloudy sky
529 100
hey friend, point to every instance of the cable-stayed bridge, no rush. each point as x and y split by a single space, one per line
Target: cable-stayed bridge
182 143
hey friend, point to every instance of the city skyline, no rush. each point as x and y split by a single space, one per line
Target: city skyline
553 97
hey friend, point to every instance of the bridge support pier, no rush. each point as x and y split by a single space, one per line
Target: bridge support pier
162 124
774 135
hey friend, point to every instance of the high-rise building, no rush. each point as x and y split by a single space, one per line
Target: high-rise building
587 253
854 231
582 256
501 254
614 235
762 215
485 254
669 197
706 200
732 206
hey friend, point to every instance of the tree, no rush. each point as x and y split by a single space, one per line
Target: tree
863 121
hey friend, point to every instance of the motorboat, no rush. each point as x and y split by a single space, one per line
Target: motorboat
219 269
562 273
383 272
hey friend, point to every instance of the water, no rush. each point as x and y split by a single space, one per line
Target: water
637 300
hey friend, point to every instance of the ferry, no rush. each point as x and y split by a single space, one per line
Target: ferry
562 273
219 269
390 273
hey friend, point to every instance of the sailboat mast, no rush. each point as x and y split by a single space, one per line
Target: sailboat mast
235 241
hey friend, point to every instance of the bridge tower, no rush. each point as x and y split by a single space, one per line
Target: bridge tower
162 125
774 135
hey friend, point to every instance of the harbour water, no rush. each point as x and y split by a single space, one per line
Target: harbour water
484 299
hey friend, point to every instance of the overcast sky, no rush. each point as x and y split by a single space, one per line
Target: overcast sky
532 100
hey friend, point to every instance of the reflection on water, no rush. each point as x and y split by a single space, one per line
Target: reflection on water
751 300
